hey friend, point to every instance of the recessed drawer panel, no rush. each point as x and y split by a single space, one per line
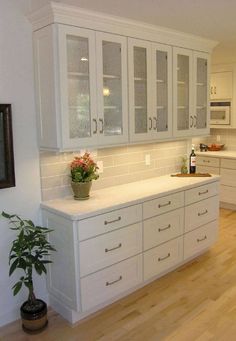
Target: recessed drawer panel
207 161
201 192
108 283
163 257
228 163
164 204
102 251
163 228
110 221
208 169
228 177
201 213
200 239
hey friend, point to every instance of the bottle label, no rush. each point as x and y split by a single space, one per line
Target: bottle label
193 161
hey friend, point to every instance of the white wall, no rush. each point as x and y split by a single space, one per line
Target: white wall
16 87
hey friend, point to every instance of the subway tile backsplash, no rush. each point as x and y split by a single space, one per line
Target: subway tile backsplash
120 165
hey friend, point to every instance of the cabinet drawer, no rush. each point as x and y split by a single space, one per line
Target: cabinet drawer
228 194
163 228
110 221
201 192
201 213
164 204
110 248
228 163
208 169
207 161
228 177
200 239
108 283
163 257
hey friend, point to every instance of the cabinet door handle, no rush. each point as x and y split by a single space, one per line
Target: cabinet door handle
191 121
163 205
195 118
96 126
207 161
150 120
211 90
202 213
164 228
201 239
215 90
155 119
106 222
115 281
114 248
102 126
204 192
163 258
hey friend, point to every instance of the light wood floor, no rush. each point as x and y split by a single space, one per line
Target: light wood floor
195 302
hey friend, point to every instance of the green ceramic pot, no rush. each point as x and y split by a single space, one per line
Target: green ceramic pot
81 190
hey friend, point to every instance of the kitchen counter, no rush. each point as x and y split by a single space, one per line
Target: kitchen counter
230 154
116 197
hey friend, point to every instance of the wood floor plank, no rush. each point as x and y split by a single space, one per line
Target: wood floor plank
194 303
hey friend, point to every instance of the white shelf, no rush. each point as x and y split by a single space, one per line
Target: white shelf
181 83
201 84
111 77
162 81
140 107
107 107
78 74
140 79
160 107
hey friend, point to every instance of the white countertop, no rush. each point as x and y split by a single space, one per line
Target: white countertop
230 154
116 197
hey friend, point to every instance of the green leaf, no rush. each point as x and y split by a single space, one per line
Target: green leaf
16 288
13 266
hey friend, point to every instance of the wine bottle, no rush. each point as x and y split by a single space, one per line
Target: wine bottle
192 161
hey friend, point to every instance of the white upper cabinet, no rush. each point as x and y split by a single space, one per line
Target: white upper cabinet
190 92
221 85
90 92
149 90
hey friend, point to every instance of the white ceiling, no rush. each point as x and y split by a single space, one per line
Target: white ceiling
214 19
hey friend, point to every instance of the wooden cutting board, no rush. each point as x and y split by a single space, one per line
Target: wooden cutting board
194 175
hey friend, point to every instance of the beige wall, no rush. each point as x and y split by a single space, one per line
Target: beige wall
120 165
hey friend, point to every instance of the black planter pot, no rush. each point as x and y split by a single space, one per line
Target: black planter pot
34 317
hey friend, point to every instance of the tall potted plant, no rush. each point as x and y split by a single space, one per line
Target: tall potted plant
28 252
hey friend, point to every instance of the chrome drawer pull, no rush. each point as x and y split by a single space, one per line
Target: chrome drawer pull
114 248
205 192
112 221
164 228
117 280
202 213
163 205
200 240
163 258
208 161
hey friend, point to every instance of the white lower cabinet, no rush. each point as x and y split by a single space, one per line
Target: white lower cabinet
108 283
105 256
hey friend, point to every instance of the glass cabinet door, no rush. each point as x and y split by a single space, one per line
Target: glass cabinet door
78 86
141 120
201 91
182 78
112 88
162 85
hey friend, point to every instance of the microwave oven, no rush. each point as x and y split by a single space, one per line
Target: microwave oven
220 113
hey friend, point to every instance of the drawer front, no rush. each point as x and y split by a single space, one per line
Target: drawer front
201 192
228 163
163 257
207 161
208 169
163 228
164 204
102 251
110 221
228 194
228 177
201 213
200 239
108 283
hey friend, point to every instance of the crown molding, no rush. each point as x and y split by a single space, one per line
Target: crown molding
59 13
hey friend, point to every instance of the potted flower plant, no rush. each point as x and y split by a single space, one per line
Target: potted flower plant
28 253
83 171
